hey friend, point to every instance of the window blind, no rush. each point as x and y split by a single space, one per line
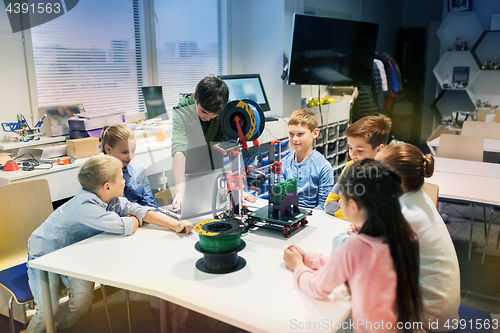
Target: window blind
91 55
188 44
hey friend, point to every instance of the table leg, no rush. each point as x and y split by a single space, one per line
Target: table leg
47 303
164 316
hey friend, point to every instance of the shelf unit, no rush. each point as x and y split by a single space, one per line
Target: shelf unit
452 100
482 84
487 48
463 25
331 142
486 87
452 59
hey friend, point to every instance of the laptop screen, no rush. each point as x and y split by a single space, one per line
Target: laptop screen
153 98
246 86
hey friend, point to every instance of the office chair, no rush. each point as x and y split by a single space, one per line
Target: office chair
472 317
481 129
463 148
23 207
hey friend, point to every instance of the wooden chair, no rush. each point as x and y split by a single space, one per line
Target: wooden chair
483 113
481 129
461 147
432 191
23 207
165 195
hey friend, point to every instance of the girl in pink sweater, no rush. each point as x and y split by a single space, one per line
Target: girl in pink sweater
380 264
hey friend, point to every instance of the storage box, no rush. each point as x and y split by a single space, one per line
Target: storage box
342 93
85 147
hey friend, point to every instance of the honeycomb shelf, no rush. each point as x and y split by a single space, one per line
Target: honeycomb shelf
451 59
486 87
452 100
486 49
463 25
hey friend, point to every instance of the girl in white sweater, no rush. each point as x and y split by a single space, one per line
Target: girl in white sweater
439 271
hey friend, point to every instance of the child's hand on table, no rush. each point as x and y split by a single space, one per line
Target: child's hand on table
299 249
293 258
184 226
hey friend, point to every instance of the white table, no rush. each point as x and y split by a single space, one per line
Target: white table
467 180
261 297
153 156
470 181
464 167
490 145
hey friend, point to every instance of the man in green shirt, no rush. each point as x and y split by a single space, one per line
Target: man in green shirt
196 127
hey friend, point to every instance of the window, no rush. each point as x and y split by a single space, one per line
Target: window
91 55
188 44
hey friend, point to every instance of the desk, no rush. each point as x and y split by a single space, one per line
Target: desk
261 297
152 155
471 181
464 167
490 145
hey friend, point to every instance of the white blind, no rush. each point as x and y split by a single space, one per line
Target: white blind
90 55
188 44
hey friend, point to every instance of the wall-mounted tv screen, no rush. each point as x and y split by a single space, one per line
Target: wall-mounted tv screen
328 51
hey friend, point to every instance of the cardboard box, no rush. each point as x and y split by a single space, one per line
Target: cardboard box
342 93
85 147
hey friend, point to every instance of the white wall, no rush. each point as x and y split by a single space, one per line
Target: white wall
483 9
388 14
14 93
258 42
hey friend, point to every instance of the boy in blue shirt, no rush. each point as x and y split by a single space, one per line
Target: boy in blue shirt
98 207
313 172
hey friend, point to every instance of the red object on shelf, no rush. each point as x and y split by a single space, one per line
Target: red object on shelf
11 166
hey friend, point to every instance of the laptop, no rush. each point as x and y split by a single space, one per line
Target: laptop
197 196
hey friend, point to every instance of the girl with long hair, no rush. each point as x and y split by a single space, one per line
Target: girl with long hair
381 263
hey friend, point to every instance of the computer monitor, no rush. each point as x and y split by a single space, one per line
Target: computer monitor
155 105
246 86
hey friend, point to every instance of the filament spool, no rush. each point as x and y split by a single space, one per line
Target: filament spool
220 242
251 116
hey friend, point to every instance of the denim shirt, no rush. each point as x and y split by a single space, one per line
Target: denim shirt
137 187
314 178
82 217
